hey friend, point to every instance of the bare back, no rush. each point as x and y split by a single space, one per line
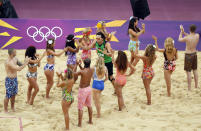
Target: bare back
147 62
171 56
86 76
69 85
11 73
191 42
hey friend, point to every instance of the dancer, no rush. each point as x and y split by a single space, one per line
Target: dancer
148 73
49 67
72 50
121 63
170 55
31 75
86 41
84 93
99 77
66 85
101 27
190 62
134 34
104 50
12 66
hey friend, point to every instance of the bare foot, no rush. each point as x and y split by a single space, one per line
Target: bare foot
30 102
90 122
6 111
47 97
98 115
148 103
114 94
124 109
13 109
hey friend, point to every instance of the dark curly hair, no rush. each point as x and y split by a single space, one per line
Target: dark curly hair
31 52
131 25
121 61
70 42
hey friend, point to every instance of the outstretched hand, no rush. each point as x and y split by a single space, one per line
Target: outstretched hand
59 73
143 27
79 61
37 55
182 28
113 33
154 37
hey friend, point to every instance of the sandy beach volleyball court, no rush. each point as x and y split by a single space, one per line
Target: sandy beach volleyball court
181 111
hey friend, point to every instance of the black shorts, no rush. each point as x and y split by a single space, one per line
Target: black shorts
190 62
109 68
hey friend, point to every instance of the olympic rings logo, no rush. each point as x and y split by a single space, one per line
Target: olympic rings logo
42 34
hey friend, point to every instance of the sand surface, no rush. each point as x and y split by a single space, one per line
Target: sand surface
181 112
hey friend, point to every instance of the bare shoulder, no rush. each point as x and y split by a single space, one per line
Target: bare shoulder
9 63
197 35
92 69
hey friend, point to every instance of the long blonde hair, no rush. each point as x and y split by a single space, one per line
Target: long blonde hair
100 66
169 44
150 53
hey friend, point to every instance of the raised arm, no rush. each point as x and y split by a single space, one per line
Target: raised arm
108 50
73 50
60 84
90 46
134 33
140 57
182 29
156 44
39 58
181 38
78 62
138 33
132 69
18 68
57 54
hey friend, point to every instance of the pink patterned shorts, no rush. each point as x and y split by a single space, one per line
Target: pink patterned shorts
84 97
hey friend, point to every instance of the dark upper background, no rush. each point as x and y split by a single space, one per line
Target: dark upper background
182 10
